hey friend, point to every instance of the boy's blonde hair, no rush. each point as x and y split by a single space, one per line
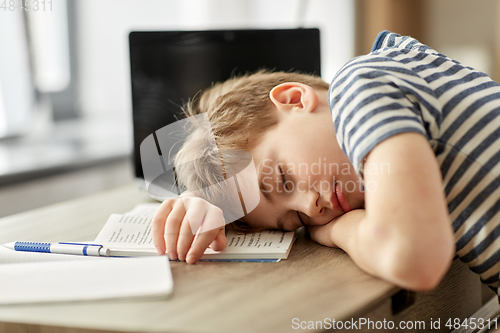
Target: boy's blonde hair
240 111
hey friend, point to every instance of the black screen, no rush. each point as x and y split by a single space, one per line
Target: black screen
170 67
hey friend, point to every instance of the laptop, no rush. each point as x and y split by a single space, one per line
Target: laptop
170 67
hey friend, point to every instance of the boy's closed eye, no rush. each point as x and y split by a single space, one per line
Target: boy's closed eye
287 187
284 182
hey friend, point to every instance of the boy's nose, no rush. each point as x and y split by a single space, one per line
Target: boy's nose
311 205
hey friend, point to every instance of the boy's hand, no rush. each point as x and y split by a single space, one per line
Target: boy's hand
338 232
172 232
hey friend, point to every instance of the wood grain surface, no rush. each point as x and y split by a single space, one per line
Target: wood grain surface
314 283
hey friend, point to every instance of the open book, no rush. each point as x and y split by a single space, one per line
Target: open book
129 234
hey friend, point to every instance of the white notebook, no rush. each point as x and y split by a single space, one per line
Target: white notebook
83 280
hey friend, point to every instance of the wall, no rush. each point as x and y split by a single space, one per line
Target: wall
465 30
462 29
104 83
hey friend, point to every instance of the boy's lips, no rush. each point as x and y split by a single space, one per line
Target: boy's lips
338 200
342 199
334 199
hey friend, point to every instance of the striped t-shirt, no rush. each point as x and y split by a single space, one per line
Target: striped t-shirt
405 86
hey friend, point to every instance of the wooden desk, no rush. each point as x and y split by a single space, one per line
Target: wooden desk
315 283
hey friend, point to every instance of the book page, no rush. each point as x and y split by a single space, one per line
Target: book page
265 241
127 231
134 232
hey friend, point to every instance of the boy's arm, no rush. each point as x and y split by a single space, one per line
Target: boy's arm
404 235
341 233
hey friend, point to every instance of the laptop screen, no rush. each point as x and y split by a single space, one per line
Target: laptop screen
170 67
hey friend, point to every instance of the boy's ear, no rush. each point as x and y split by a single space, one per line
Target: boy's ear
294 96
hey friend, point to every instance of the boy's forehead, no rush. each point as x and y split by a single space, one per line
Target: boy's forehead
264 153
266 147
264 156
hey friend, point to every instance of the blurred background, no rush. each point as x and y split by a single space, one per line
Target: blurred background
65 91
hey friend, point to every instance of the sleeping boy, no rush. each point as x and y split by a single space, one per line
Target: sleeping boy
404 178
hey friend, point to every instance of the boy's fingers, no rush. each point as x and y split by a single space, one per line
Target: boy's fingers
185 239
215 220
172 226
204 239
158 226
196 209
200 244
220 241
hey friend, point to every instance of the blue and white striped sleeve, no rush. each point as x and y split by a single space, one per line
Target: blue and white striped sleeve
372 99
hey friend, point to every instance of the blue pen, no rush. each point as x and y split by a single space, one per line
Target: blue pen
61 248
